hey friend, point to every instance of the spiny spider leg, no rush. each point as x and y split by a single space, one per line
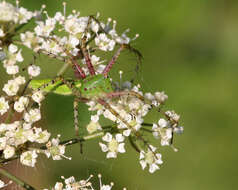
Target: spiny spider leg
85 51
125 93
53 81
122 46
87 58
76 121
75 92
78 71
113 61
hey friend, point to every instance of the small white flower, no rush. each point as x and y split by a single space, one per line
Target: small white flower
20 80
172 115
114 145
104 43
3 142
150 158
11 88
58 186
21 104
93 126
44 29
149 96
38 97
12 48
75 25
24 15
11 126
51 47
73 41
26 126
33 70
164 130
41 136
1 33
8 12
161 97
59 17
3 105
32 116
18 106
12 69
9 152
30 40
94 26
12 56
20 136
55 150
163 123
28 158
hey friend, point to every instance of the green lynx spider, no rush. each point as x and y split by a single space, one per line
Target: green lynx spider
97 87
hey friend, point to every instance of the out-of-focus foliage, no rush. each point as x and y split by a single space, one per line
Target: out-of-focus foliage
190 51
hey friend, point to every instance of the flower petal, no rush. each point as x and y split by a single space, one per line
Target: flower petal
103 147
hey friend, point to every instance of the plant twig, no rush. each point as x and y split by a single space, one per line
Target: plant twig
66 143
16 180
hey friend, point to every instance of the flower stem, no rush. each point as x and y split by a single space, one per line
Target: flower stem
16 180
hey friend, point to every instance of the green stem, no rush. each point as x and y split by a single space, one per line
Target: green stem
16 180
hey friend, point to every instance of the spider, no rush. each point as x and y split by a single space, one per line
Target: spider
97 87
93 86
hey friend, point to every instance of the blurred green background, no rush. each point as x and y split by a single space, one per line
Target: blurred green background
190 51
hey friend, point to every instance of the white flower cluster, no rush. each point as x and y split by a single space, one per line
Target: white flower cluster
71 38
71 184
21 132
129 123
16 15
10 18
78 31
14 135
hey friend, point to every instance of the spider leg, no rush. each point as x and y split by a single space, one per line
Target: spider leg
76 121
74 92
53 81
113 61
87 57
139 58
125 93
85 51
78 71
